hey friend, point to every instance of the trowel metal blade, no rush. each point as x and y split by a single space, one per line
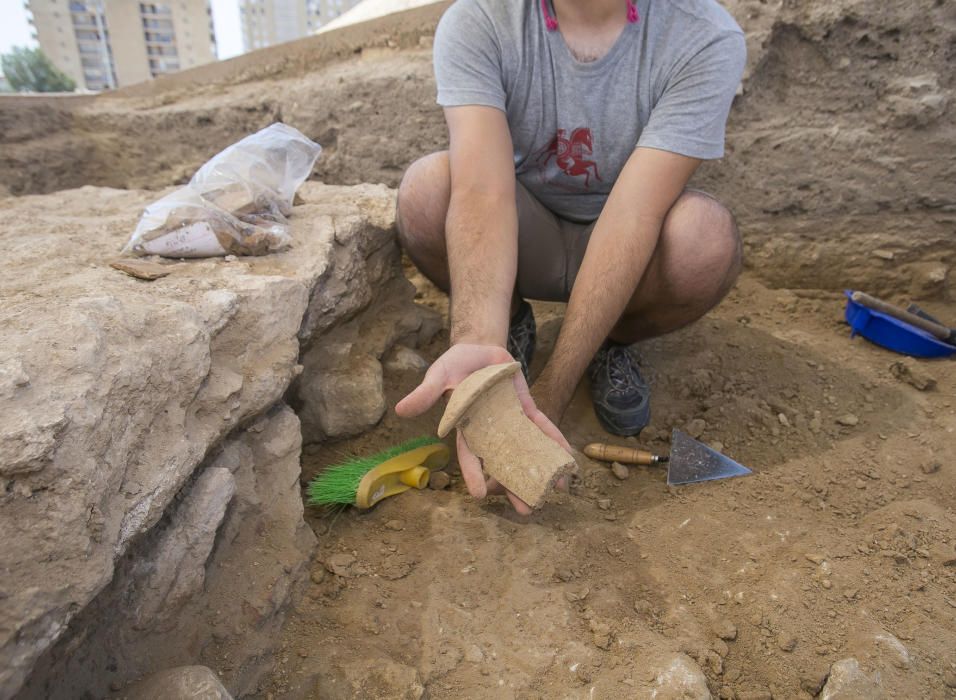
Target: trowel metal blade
692 461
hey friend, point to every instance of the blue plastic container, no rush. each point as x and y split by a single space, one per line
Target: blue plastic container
893 334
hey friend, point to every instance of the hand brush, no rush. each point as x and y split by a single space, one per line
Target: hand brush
364 481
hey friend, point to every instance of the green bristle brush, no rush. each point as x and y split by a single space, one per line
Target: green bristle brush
364 481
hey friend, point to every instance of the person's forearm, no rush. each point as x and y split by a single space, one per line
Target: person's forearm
482 237
618 253
617 256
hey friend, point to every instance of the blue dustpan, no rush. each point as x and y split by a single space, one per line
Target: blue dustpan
893 334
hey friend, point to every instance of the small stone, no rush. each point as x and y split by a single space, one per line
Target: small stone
826 584
815 558
860 484
848 420
787 642
726 630
696 427
604 503
340 564
717 446
438 481
318 576
620 471
713 662
847 680
784 421
930 467
474 655
601 635
816 423
230 258
812 681
395 567
894 649
564 575
949 678
914 374
726 693
395 525
883 254
404 359
680 677
179 682
577 596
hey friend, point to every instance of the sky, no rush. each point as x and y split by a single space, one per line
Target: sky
15 31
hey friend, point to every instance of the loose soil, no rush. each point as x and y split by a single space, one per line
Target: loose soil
844 532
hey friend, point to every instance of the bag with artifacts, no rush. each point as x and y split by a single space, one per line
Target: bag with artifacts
235 204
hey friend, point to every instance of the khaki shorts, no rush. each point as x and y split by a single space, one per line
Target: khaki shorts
550 249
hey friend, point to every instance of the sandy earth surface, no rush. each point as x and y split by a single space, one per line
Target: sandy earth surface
841 544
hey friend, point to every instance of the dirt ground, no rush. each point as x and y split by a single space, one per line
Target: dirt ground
841 544
843 541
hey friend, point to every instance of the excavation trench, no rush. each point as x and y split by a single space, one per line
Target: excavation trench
152 434
186 541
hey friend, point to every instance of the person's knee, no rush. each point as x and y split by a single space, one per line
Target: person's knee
707 234
423 201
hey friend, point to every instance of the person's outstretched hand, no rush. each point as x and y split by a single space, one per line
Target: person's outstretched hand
445 374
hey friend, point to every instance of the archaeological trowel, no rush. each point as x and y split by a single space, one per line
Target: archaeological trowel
692 461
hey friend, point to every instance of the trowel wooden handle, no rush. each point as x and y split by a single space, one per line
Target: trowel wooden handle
942 332
617 453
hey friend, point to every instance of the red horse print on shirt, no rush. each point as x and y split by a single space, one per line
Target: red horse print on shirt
572 155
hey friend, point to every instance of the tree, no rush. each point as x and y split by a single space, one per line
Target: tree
29 70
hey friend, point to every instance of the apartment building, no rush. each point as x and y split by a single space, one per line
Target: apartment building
269 22
103 44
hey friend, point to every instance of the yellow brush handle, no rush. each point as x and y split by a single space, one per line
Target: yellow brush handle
416 477
398 474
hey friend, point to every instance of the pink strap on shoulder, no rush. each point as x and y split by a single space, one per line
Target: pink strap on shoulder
633 17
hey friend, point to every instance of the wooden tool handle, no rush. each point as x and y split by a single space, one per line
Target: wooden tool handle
942 332
617 453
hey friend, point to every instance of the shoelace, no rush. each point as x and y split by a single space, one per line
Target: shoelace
520 331
621 372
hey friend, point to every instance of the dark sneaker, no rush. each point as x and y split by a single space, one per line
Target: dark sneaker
622 399
521 337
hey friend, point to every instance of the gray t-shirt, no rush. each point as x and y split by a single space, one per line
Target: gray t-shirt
667 83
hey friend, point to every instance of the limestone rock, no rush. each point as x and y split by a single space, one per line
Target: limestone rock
847 680
680 679
404 359
174 590
115 390
343 402
177 568
183 683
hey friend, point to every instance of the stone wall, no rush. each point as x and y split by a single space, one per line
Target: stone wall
149 491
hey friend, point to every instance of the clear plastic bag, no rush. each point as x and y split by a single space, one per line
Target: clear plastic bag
235 204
